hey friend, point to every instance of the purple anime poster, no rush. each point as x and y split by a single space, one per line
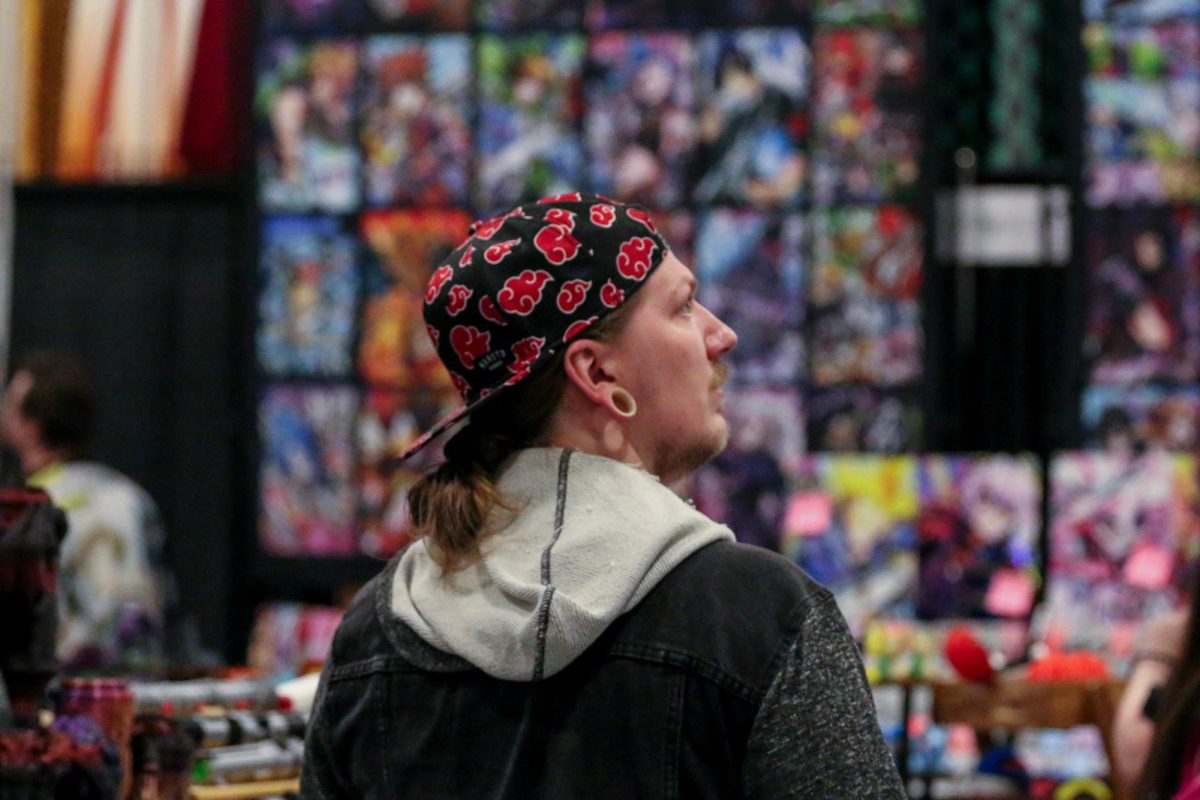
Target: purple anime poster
851 419
1142 93
850 523
387 424
640 121
1123 531
414 129
308 299
1144 308
882 13
608 14
679 229
304 122
394 349
977 536
306 473
752 127
867 119
746 486
530 92
749 266
1132 419
527 15
1140 12
437 15
295 16
864 297
735 13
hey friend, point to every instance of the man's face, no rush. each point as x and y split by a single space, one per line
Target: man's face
15 427
668 359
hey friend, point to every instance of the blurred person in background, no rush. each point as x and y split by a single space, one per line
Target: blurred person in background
111 584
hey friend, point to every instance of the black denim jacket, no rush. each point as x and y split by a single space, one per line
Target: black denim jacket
734 678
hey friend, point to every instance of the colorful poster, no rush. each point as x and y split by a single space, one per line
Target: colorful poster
746 486
1140 12
640 122
678 228
850 523
527 15
304 118
753 120
1122 533
387 424
749 266
415 129
1144 295
867 116
853 13
851 419
977 536
289 639
436 15
308 297
528 142
306 472
1130 419
864 297
294 16
1143 97
394 349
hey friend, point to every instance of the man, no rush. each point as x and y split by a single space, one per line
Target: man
110 604
565 626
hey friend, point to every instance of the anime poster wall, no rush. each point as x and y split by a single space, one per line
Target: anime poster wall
308 299
640 115
1129 420
306 471
753 118
850 522
304 118
1144 281
415 136
1122 533
289 639
529 106
977 536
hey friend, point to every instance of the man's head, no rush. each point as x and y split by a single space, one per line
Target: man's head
568 322
48 410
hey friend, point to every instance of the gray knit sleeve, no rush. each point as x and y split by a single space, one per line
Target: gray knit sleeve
816 733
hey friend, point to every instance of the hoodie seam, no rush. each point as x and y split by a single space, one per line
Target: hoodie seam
560 508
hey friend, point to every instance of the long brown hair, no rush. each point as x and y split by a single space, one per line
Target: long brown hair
1177 720
450 506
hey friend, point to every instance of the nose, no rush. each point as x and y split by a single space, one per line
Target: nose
719 338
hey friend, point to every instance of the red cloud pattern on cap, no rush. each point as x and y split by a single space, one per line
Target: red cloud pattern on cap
499 251
636 257
610 295
459 295
469 343
572 294
522 293
524 283
556 243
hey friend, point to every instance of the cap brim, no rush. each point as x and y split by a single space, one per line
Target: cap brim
440 428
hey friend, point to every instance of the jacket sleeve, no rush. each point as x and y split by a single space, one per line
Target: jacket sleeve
320 775
816 734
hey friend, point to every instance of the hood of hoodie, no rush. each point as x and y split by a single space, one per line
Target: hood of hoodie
589 539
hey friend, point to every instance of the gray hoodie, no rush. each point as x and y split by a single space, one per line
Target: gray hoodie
589 539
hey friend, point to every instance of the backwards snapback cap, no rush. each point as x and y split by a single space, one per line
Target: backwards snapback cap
522 285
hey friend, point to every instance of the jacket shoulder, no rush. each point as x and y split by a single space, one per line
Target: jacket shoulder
731 609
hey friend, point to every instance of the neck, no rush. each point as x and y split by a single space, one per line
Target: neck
589 428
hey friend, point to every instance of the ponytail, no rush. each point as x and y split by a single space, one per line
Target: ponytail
451 506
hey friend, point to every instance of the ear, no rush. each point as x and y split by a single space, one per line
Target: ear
589 369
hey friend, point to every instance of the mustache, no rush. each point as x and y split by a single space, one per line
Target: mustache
720 374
